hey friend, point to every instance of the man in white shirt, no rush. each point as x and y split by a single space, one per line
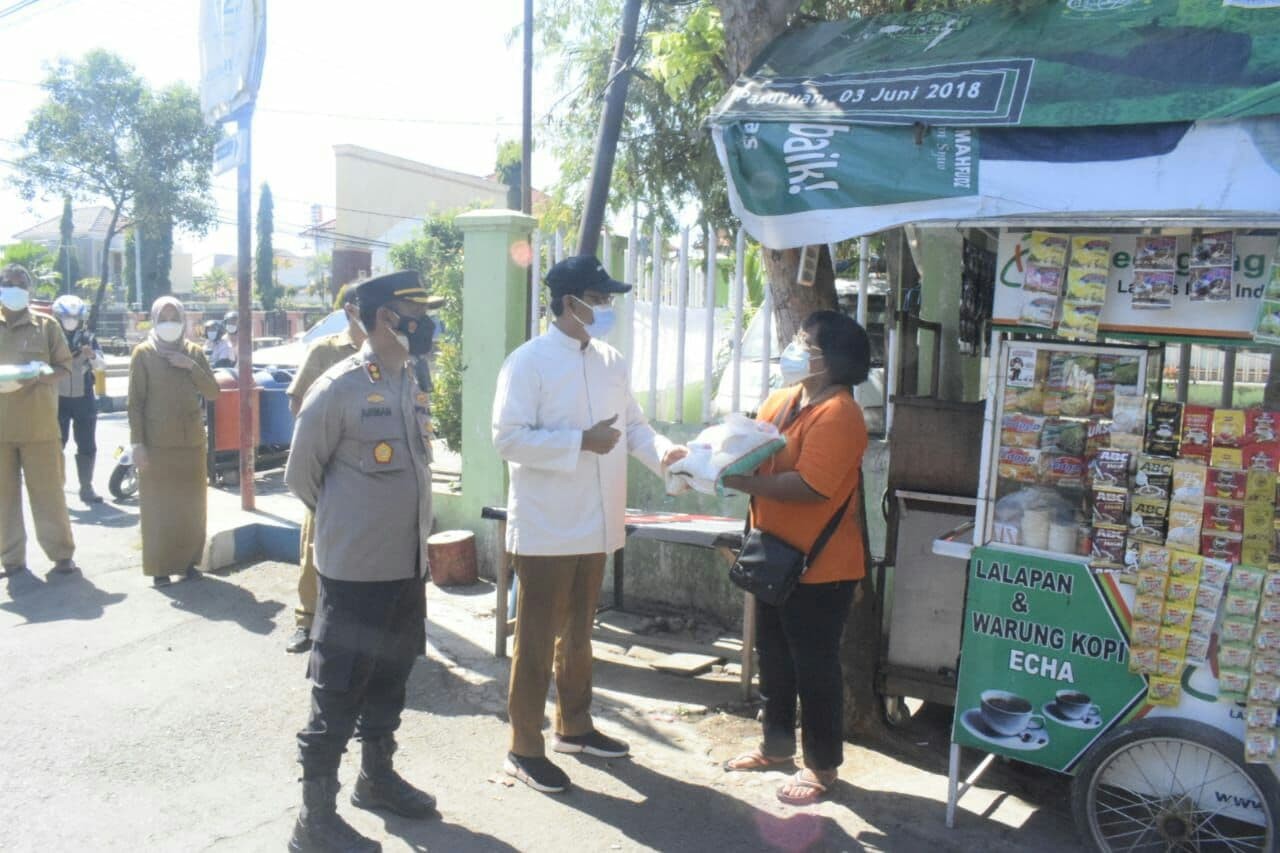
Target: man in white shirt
565 421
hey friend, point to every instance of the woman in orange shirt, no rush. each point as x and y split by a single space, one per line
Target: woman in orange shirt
794 496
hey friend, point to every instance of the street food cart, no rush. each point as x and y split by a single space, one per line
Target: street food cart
1108 607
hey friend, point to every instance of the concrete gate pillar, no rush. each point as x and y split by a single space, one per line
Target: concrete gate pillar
495 295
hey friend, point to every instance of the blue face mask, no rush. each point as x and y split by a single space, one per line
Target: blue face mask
602 322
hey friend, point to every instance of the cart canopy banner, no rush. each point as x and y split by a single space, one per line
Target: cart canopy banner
1078 63
1189 317
1079 110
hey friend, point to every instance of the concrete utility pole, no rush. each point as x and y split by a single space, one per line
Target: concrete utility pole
526 135
615 101
244 308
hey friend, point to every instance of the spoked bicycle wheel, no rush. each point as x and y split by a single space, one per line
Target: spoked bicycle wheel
1168 784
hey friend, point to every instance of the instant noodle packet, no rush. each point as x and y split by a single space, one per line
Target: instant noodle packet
1233 684
1208 596
1241 603
1197 650
1164 691
1259 746
1153 558
1247 579
1177 614
1145 634
1203 619
1151 583
1148 608
1182 589
1019 430
1173 639
1237 629
1170 664
1234 656
1260 715
1144 660
1214 572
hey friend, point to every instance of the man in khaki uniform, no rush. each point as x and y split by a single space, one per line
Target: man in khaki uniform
322 355
29 434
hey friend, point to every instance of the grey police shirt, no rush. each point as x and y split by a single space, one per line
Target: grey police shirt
361 460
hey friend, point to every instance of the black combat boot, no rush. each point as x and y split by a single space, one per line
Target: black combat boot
381 787
319 828
84 468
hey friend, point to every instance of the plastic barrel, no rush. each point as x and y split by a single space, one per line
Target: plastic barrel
275 421
226 412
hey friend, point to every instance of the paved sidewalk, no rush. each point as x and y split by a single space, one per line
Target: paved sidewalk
141 719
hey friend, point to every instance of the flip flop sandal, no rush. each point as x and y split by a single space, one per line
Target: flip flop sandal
814 791
754 760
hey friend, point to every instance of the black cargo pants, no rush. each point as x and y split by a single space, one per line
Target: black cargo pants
365 639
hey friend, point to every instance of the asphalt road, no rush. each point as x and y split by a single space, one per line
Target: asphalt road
144 719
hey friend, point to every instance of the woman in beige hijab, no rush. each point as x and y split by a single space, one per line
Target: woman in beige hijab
168 376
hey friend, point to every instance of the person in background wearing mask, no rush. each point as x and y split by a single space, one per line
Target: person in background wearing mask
795 495
361 461
28 431
216 348
323 354
230 353
168 376
77 405
565 420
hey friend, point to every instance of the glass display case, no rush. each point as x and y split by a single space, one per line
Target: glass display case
1062 412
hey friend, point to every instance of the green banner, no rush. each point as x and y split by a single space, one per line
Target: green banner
1044 667
791 168
1072 63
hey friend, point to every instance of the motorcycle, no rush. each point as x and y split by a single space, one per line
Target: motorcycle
124 479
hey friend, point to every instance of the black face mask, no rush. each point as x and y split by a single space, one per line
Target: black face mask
419 331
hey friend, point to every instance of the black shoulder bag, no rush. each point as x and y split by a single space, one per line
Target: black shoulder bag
770 568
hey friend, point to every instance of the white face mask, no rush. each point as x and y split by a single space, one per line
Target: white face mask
14 298
70 323
231 329
169 331
795 364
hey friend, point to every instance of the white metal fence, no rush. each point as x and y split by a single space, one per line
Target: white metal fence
682 326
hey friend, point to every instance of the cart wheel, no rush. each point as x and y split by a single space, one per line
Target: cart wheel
1169 784
895 710
124 482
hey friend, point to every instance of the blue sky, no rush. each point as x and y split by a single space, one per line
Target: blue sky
431 81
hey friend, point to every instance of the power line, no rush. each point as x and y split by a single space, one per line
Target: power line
16 8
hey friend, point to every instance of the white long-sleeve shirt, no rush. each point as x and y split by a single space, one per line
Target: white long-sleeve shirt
563 499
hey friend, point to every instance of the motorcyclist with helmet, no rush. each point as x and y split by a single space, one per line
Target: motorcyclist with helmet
77 404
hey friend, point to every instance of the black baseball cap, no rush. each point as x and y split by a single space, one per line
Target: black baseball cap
574 276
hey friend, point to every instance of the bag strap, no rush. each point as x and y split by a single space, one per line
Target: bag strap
827 531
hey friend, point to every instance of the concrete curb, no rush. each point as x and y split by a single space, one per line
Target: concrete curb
249 542
107 405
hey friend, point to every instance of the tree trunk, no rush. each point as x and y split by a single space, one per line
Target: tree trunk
106 269
792 303
749 25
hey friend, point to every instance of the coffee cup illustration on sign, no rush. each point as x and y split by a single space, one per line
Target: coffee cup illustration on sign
1075 705
1008 713
1074 709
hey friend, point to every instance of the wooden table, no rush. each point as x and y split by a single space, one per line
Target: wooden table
724 535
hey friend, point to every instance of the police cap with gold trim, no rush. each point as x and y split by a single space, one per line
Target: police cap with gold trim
405 285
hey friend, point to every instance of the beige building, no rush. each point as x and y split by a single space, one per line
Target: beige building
378 193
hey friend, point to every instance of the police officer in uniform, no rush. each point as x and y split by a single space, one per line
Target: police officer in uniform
322 355
361 462
29 446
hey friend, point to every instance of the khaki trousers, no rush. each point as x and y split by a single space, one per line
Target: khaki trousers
40 463
305 612
554 616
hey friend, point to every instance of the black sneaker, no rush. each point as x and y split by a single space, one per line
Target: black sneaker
538 773
161 580
592 743
299 642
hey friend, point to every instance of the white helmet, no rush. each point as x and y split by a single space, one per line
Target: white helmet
70 307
